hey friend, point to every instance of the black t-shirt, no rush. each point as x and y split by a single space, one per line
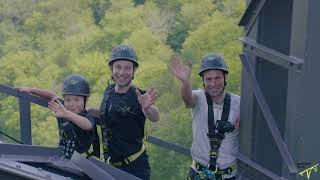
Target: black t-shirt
72 137
126 121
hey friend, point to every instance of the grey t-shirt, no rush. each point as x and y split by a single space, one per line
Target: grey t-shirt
200 149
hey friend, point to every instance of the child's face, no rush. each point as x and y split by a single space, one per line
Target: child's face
74 103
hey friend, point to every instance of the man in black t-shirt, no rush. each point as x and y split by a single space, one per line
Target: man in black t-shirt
123 112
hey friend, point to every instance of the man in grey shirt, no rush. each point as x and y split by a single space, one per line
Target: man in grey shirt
215 141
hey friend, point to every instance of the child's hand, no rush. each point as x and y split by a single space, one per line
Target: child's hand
58 108
24 89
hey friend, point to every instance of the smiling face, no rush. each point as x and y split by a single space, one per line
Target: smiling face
73 103
214 82
122 72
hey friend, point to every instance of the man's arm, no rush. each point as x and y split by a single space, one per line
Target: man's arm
183 73
152 113
186 93
95 112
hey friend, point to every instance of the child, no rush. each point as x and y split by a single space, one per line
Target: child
77 130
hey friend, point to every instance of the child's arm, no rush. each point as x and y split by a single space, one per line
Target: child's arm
61 112
49 95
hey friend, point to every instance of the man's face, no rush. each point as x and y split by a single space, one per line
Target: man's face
74 103
213 81
123 72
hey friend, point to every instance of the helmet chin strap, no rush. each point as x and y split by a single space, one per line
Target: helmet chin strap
85 102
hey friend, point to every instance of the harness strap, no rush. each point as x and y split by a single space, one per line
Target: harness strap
214 135
129 159
105 131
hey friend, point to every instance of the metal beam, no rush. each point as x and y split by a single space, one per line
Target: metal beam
34 99
250 15
28 150
26 171
258 167
8 90
89 168
24 110
114 172
169 146
25 121
251 46
13 92
6 135
43 156
282 147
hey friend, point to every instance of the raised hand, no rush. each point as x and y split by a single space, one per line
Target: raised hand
181 71
147 99
58 108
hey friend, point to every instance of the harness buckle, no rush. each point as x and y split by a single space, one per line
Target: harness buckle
108 160
215 169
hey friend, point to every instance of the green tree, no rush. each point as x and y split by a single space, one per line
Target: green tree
218 35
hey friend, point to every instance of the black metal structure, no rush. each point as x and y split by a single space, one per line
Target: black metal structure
35 162
279 96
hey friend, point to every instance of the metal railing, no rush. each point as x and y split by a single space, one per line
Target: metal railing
25 120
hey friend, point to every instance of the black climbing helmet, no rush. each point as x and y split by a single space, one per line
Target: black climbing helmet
76 84
211 62
123 52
